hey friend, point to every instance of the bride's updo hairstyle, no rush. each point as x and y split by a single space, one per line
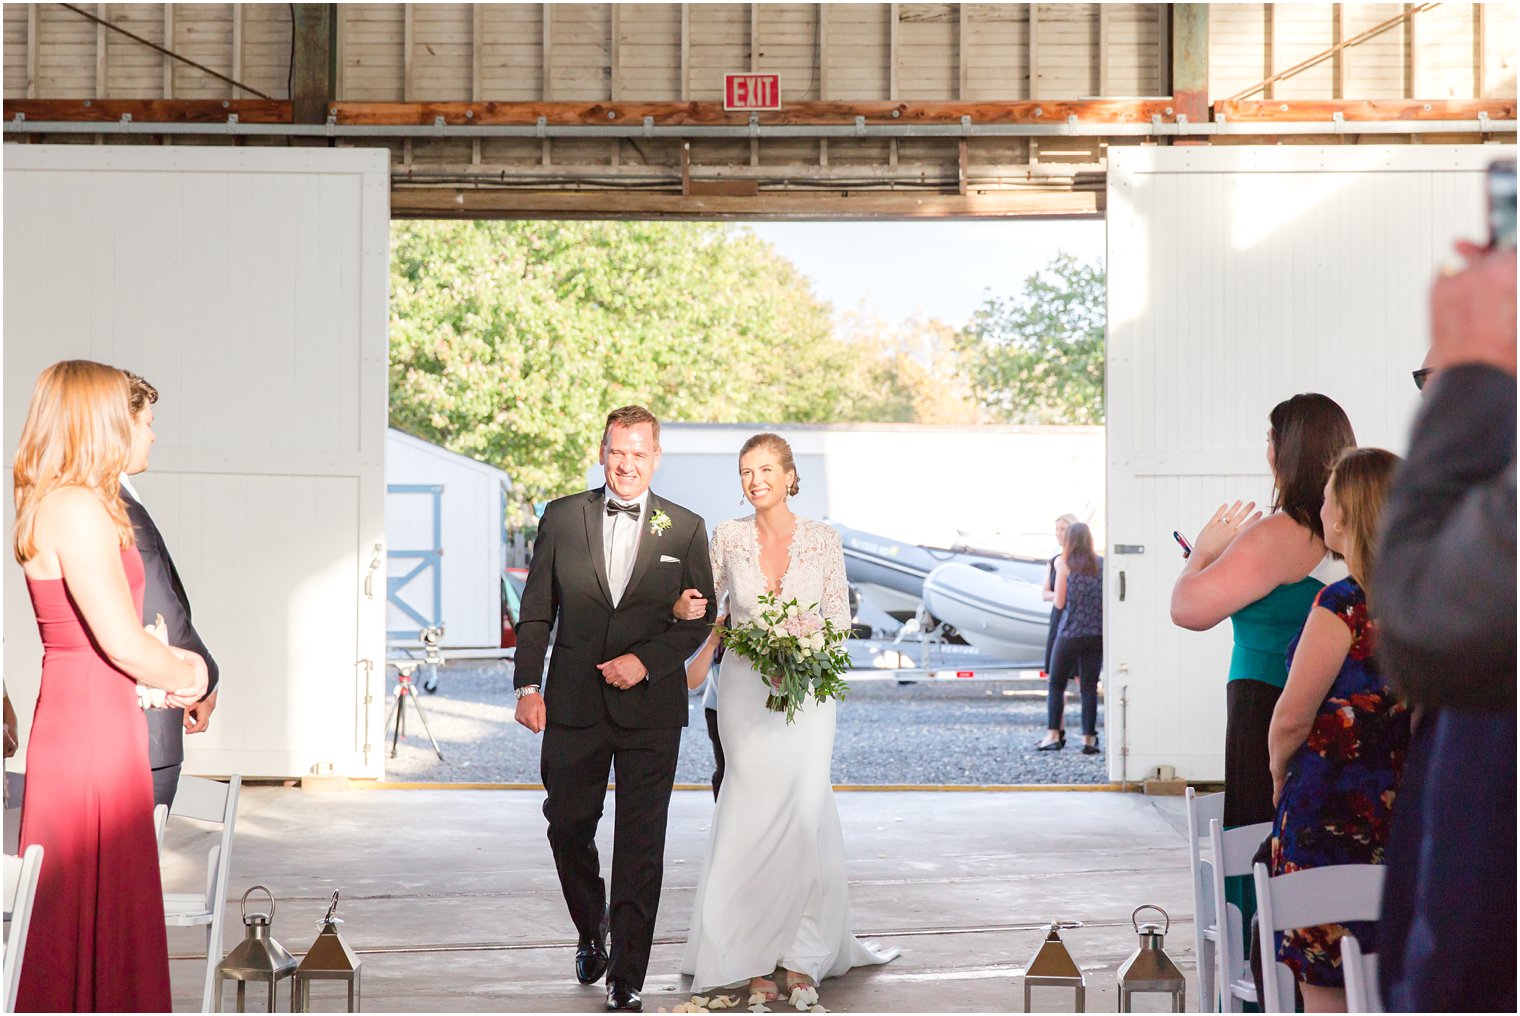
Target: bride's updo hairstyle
777 446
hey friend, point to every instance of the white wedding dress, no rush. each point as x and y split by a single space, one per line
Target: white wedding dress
773 891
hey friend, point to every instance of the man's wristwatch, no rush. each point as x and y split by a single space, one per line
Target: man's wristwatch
526 690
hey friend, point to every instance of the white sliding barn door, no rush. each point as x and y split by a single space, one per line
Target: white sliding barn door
250 286
1238 277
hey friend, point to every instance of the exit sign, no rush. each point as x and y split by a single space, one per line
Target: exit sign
751 91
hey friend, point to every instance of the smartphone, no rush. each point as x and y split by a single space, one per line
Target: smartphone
1187 548
1501 205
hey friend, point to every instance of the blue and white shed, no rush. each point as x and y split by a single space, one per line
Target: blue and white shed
445 543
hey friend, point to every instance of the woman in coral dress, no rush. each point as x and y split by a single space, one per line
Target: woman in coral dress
97 940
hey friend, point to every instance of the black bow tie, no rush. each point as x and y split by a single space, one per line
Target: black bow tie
630 510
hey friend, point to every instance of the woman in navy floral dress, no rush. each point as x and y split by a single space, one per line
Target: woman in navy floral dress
1339 733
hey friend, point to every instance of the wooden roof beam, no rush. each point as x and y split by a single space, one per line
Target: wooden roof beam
688 114
1364 110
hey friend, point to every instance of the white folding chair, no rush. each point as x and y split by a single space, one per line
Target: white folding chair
160 819
20 892
206 801
1361 977
1232 851
1200 812
1303 899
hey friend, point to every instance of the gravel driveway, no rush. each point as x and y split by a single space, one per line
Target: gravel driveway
980 732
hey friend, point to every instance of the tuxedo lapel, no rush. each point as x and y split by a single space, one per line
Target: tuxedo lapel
648 546
593 512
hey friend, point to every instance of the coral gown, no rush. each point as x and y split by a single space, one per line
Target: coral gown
97 941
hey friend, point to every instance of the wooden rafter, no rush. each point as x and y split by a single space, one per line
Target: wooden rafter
692 114
151 110
1364 110
1275 76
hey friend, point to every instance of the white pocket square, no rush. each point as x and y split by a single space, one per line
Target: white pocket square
667 559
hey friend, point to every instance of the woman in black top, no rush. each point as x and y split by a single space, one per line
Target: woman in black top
1048 594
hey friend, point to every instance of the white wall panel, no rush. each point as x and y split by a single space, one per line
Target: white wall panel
250 287
1238 277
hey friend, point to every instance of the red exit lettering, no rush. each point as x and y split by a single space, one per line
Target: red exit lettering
751 91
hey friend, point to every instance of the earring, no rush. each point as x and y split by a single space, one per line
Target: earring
742 499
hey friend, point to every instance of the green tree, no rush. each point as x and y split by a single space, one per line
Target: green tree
510 341
1039 357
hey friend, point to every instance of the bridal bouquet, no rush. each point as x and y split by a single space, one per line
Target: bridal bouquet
797 652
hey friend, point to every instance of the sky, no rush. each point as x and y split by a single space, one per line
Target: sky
930 269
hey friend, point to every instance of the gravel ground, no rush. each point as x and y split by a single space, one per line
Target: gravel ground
980 732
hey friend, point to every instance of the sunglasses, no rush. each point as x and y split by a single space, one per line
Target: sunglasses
1421 376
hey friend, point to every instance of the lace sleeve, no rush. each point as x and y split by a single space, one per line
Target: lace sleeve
835 605
718 556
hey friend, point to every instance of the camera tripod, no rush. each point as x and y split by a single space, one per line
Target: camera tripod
405 690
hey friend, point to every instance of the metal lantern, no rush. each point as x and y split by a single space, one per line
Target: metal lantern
328 959
1149 968
1053 967
258 958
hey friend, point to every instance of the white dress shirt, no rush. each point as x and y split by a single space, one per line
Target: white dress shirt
620 542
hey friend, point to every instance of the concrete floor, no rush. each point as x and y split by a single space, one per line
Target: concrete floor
451 896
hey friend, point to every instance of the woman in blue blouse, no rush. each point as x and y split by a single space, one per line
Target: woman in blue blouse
1338 734
1078 649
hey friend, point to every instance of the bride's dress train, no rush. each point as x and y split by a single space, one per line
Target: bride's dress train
773 891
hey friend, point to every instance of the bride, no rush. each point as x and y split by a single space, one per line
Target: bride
772 904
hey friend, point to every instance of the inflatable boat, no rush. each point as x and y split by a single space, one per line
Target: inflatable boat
1000 614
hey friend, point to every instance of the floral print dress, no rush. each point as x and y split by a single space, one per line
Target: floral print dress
1337 802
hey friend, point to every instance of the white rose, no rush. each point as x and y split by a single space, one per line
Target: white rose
777 630
806 653
816 640
793 610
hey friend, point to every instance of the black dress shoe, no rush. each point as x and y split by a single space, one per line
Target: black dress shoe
591 960
1055 745
1091 749
622 998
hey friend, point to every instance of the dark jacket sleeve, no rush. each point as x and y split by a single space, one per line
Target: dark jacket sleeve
540 605
1443 587
164 593
667 651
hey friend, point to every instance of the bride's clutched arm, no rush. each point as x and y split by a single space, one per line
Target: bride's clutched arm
835 605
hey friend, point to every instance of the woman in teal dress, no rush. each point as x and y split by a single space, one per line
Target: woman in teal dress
1257 571
1339 734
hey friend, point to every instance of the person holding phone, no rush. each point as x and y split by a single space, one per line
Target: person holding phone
1445 603
1258 570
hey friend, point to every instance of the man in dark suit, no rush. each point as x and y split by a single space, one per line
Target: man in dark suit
608 566
1444 592
163 595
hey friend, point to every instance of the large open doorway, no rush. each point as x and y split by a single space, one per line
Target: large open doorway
941 385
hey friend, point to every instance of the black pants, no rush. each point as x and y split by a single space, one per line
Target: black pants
1247 762
717 743
575 765
165 785
1083 658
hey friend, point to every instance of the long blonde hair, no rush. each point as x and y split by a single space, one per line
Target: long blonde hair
78 433
1360 481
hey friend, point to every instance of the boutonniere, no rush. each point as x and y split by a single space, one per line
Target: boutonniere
658 522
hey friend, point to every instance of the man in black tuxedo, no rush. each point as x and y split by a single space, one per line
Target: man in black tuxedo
163 595
608 565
